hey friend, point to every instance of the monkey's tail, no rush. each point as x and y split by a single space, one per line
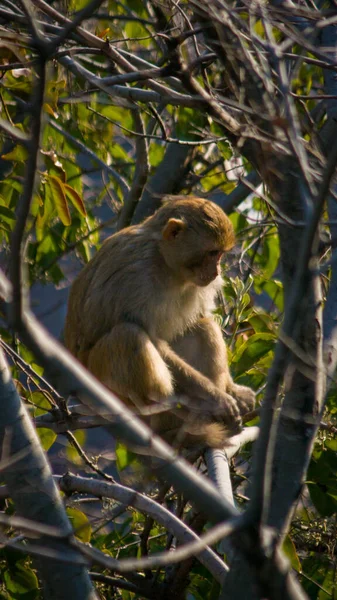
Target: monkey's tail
192 435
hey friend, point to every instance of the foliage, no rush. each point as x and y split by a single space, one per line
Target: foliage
87 164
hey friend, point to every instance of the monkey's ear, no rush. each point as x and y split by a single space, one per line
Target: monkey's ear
172 228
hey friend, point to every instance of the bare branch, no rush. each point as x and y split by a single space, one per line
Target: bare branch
128 497
158 560
85 13
24 205
83 148
35 495
140 175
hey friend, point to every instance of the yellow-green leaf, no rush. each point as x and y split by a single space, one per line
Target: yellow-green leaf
41 403
21 582
59 198
289 550
80 523
252 350
124 457
47 437
72 453
48 109
18 154
75 198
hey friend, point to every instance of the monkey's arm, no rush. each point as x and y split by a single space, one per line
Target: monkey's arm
204 348
129 363
208 398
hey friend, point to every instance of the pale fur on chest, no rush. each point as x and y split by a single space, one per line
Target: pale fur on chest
180 310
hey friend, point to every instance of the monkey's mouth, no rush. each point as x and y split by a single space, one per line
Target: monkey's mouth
203 280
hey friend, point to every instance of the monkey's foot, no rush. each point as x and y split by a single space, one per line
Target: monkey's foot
245 398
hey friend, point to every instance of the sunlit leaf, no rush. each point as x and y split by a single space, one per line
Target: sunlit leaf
289 550
48 109
102 33
72 452
80 524
75 198
252 350
331 444
47 437
19 153
41 402
124 457
84 250
59 197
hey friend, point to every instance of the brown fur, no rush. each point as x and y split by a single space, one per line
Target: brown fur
139 317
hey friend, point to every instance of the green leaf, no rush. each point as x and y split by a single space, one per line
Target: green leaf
7 213
124 457
188 121
18 154
45 212
47 250
133 29
329 585
58 196
156 154
80 524
331 444
21 583
289 550
325 503
56 274
252 350
322 481
84 249
41 402
75 198
268 258
261 322
317 568
73 175
72 453
47 437
5 226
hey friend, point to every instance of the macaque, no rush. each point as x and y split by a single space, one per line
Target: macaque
140 319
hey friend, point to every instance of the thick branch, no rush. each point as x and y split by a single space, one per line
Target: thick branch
35 495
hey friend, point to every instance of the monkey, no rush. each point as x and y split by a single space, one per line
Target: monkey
140 319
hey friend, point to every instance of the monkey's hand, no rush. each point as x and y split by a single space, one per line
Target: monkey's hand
208 400
230 413
220 407
244 396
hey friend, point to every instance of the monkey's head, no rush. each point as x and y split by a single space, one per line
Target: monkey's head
194 235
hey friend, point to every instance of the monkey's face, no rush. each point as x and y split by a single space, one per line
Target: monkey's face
203 269
192 256
193 244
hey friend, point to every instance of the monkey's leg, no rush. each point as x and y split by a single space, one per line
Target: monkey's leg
128 363
204 348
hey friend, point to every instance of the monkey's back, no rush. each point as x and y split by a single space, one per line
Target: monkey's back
127 281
